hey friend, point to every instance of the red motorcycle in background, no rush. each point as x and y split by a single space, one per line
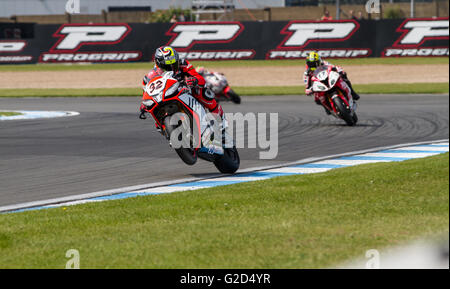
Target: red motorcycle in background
329 87
218 83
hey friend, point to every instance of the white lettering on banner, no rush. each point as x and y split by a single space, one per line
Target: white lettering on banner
25 58
90 57
12 46
188 34
416 52
332 53
421 30
415 33
207 55
76 36
303 33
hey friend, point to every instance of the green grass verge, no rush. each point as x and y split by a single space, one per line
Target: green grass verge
388 88
402 88
57 92
231 63
311 221
9 113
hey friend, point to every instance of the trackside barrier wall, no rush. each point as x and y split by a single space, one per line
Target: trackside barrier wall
131 42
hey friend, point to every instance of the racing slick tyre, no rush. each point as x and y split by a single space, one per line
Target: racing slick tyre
355 118
187 155
344 111
234 96
228 163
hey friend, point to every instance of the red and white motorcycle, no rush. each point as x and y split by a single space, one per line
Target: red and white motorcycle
190 129
329 87
218 83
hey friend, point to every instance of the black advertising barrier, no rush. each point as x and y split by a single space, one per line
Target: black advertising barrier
131 42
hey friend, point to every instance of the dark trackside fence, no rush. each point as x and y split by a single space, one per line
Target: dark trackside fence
22 43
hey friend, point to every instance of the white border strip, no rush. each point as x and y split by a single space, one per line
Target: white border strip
29 114
319 164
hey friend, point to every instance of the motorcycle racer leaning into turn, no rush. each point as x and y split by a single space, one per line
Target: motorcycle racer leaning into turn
167 59
313 62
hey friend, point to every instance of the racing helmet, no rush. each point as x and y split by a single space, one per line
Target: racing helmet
167 58
200 70
313 60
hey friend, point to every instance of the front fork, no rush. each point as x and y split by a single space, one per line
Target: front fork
327 101
344 88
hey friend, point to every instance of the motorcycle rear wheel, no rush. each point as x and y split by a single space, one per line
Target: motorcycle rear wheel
187 155
228 163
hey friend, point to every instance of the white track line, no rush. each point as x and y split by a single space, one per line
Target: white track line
293 170
28 114
316 165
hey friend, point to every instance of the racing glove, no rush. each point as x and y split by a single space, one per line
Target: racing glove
142 111
191 81
145 80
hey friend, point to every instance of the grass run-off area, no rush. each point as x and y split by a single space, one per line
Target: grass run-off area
392 88
313 221
229 63
9 113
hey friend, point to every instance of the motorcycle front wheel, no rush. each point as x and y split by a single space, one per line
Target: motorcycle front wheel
187 155
344 111
234 97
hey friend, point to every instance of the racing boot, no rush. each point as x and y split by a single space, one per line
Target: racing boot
214 144
217 110
207 98
355 96
219 115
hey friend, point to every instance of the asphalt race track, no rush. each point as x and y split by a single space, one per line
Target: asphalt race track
107 146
